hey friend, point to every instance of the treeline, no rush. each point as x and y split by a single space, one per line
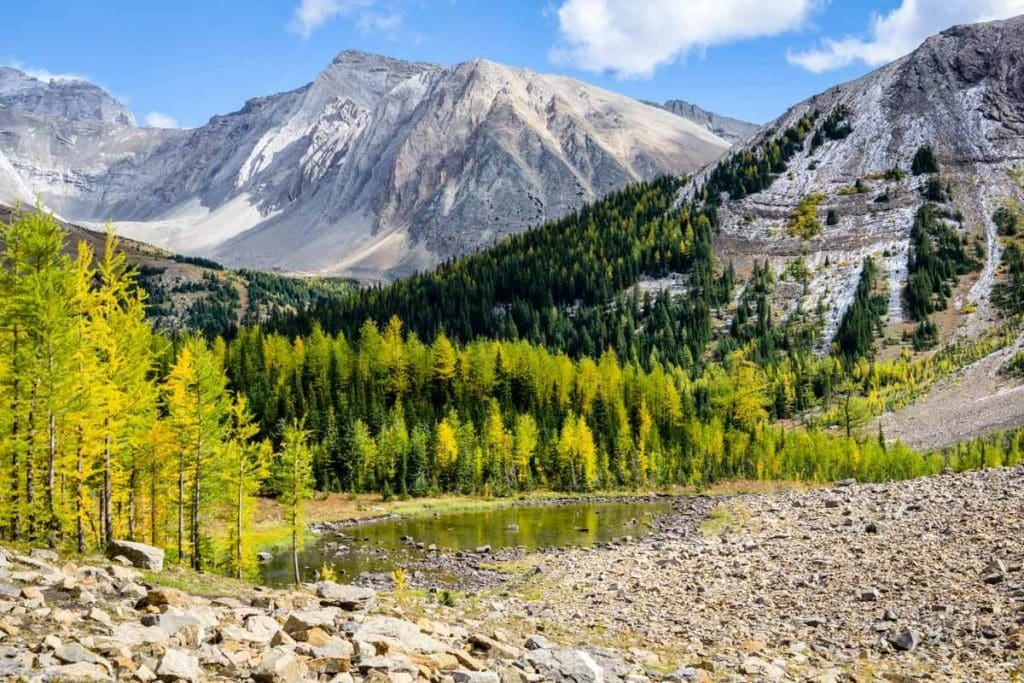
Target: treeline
106 430
564 285
391 413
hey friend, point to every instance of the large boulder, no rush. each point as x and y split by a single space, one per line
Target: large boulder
139 554
345 596
397 634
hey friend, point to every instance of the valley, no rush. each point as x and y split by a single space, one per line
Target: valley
471 373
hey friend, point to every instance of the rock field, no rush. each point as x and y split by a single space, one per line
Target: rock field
917 580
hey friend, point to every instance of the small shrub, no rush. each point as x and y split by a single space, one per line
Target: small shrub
924 161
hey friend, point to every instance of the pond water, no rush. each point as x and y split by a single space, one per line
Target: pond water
380 547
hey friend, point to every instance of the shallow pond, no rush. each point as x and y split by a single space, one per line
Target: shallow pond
380 547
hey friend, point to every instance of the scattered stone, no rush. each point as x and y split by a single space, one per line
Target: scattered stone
279 666
176 665
906 641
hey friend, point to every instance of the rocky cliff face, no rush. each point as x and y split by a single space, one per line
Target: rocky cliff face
376 168
962 93
730 129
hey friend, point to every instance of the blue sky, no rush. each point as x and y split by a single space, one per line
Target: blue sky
182 61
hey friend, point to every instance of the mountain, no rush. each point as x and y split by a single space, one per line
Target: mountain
960 95
729 129
377 168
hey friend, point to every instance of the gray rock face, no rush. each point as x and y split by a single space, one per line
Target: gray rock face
960 92
376 168
140 554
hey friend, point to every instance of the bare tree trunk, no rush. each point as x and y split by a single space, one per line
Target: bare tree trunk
79 495
181 506
152 508
15 446
196 558
30 472
295 542
131 503
238 528
108 518
51 476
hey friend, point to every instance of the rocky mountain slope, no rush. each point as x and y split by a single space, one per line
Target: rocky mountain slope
376 168
960 93
851 179
727 128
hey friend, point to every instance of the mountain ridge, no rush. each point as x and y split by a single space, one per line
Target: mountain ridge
376 168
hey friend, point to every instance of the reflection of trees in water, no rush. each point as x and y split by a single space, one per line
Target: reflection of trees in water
539 526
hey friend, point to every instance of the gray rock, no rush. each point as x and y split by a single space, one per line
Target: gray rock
906 641
397 633
461 676
565 664
73 653
345 596
279 665
177 665
869 595
140 554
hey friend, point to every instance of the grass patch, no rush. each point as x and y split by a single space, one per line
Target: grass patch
197 583
724 519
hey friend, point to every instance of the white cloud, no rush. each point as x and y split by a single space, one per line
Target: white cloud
44 75
369 16
632 38
155 119
899 32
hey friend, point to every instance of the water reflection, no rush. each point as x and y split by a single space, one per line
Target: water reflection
382 546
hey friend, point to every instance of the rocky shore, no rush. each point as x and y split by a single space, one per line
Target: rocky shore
917 580
62 621
898 581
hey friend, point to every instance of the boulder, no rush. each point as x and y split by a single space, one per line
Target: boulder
347 597
565 664
177 665
279 666
905 641
139 554
398 634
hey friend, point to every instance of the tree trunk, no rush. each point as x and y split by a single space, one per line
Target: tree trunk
238 527
181 505
79 495
295 519
152 508
196 558
30 472
51 476
132 482
108 519
15 446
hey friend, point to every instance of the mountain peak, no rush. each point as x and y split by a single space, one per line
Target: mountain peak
730 129
66 98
